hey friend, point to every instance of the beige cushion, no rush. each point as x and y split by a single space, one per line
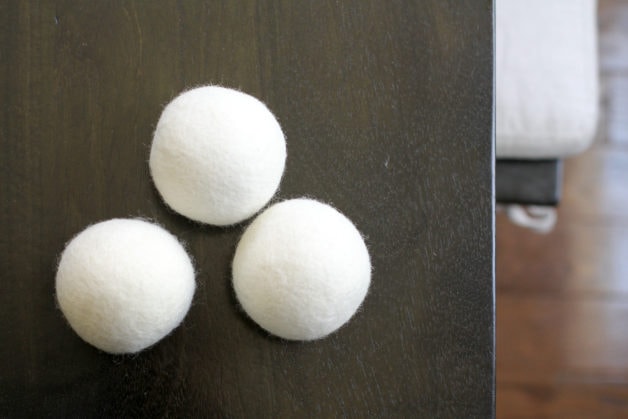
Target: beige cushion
546 77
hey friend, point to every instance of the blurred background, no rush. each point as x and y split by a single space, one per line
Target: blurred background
562 297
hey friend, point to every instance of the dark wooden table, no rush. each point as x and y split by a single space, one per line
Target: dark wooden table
387 109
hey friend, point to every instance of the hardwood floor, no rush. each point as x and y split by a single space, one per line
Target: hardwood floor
562 298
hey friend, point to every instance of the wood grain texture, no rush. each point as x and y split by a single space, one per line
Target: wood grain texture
387 108
562 298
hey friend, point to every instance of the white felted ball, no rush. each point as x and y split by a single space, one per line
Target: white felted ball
217 155
124 284
301 270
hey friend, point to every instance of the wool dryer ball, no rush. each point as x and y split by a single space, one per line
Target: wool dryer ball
217 155
124 284
301 270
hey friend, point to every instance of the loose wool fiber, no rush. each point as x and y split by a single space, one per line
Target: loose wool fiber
124 284
301 270
217 155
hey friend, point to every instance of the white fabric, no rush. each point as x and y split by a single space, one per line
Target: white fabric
217 155
546 77
301 270
540 219
124 284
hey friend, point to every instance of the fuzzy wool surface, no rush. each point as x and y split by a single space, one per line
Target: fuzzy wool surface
124 284
301 270
217 155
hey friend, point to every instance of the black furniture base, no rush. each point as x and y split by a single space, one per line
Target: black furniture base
532 182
